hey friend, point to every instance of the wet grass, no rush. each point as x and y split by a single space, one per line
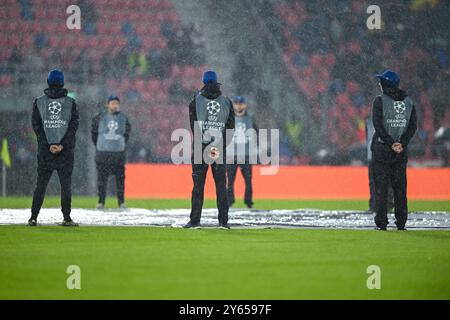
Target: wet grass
165 263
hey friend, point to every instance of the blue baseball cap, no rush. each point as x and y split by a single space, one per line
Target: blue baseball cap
112 98
389 76
55 78
209 77
239 99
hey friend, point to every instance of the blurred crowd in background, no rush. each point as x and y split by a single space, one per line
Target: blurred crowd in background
333 57
146 57
154 63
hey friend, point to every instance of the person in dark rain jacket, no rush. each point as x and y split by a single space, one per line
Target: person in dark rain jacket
55 122
395 121
110 132
210 113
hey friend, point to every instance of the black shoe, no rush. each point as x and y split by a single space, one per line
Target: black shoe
249 205
381 228
69 223
224 226
191 225
32 222
401 228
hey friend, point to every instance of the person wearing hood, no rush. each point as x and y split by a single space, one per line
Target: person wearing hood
395 122
211 115
55 123
110 132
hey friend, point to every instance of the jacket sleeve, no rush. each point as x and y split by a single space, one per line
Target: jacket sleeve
411 130
192 114
36 122
230 120
127 130
94 129
73 127
256 128
229 125
377 116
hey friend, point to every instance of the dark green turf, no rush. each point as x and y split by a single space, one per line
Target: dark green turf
154 263
165 263
263 204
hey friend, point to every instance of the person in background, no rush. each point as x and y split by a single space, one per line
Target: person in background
110 134
55 121
245 148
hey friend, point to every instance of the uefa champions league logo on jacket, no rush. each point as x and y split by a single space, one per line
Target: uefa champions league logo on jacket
241 127
240 135
399 106
54 107
112 127
213 107
53 119
399 120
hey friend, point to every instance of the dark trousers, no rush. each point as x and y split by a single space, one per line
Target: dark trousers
246 170
372 200
104 170
395 174
44 173
199 172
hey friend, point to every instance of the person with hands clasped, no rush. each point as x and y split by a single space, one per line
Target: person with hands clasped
395 122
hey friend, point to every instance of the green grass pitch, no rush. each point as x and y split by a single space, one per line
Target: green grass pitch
264 204
166 263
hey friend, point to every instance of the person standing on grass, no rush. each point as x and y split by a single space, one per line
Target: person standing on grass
55 123
245 149
210 115
110 133
395 121
370 130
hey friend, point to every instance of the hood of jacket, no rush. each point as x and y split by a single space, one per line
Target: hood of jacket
55 93
395 93
211 91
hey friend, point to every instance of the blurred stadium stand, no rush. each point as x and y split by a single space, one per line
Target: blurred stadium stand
333 57
136 49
